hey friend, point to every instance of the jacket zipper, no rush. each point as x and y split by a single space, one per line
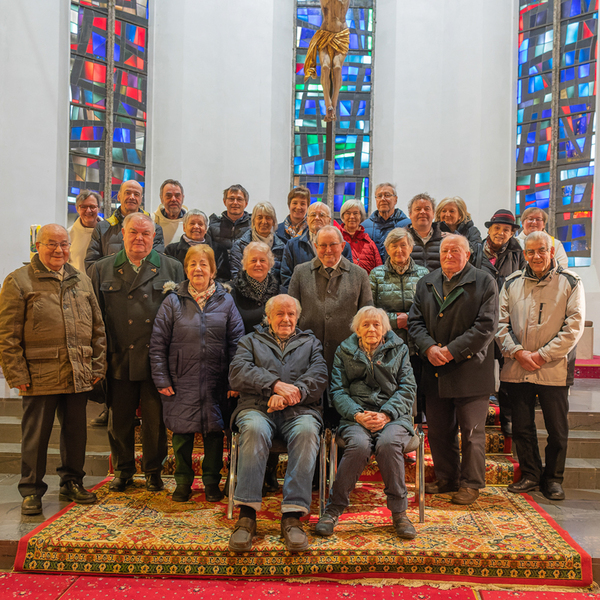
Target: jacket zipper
540 314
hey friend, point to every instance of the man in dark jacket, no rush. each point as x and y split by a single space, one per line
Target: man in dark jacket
500 255
385 218
301 249
130 290
231 225
108 237
53 349
426 233
452 321
280 374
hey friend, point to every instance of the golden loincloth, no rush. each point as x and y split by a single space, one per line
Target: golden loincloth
335 43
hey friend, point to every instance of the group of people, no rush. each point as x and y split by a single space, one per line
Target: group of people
271 329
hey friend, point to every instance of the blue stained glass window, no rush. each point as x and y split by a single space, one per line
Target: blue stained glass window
99 44
572 31
117 52
584 71
567 74
346 108
584 55
528 155
531 138
584 90
569 58
562 233
578 230
353 41
350 188
310 107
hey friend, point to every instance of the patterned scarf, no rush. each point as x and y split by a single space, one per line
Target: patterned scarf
399 269
258 289
192 242
202 297
265 240
294 230
282 343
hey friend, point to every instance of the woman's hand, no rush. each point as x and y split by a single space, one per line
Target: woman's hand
373 421
402 320
168 391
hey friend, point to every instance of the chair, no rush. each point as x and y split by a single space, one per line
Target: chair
280 447
417 443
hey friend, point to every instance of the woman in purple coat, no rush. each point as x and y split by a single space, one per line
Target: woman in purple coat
194 339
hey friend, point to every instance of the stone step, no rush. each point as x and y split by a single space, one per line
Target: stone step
577 420
582 443
96 462
582 474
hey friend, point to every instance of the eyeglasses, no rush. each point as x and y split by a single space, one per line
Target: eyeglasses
85 208
384 196
534 220
53 245
325 246
541 252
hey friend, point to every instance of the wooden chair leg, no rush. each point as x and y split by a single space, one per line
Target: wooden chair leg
232 472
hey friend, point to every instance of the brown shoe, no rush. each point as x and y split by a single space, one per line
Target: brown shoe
441 486
241 538
465 496
293 534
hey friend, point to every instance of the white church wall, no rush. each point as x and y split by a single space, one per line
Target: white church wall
34 121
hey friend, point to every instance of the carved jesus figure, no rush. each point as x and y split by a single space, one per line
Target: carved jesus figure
332 41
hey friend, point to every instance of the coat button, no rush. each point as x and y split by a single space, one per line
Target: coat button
147 320
130 321
469 356
110 288
130 297
131 347
436 374
147 345
441 314
145 295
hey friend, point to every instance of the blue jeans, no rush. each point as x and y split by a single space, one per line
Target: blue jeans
301 435
388 445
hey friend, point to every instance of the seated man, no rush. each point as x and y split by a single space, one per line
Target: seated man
280 374
373 389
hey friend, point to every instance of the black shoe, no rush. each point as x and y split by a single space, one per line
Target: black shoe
523 486
506 428
72 491
120 484
293 534
32 505
241 538
182 493
213 493
326 524
154 483
404 528
101 420
553 491
441 486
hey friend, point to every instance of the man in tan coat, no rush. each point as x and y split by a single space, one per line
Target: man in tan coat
53 349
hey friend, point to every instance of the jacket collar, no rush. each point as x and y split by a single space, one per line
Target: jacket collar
436 281
411 266
153 258
117 217
263 333
316 264
40 270
529 274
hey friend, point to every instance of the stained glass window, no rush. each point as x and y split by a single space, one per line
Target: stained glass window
88 95
576 120
352 144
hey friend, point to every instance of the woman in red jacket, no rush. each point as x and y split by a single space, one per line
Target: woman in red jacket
364 250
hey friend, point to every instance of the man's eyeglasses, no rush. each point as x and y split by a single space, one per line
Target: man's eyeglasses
384 196
541 252
53 245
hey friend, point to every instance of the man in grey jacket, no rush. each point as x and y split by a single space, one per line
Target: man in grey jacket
542 312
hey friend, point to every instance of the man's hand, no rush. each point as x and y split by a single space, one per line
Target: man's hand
168 391
537 359
290 392
438 356
401 320
23 387
96 380
275 403
526 360
233 394
373 421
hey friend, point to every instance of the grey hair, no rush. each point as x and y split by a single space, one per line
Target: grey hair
329 228
422 196
43 231
369 312
85 194
138 215
258 247
538 236
319 204
398 234
386 184
265 208
353 203
194 212
456 237
281 297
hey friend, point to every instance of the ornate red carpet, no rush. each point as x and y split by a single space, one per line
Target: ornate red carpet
503 538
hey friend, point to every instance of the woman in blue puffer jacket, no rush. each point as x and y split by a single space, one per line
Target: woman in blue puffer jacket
194 339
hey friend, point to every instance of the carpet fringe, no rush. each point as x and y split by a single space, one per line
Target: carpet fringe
594 588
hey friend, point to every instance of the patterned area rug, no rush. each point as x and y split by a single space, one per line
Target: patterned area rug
502 538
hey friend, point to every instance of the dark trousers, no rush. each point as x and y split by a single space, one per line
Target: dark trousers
555 408
183 446
125 396
36 427
444 417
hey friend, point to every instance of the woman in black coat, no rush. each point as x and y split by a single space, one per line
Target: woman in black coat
453 217
194 339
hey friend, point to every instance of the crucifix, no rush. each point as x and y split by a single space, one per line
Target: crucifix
331 42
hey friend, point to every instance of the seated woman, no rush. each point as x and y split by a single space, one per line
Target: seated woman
264 224
194 338
364 251
453 217
373 389
255 284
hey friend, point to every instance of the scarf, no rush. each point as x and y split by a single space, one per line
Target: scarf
202 297
400 270
294 230
192 242
265 240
